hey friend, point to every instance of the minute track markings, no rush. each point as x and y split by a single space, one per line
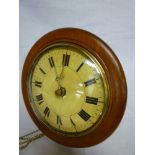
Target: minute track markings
101 101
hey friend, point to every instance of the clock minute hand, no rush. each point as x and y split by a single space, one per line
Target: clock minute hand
57 77
60 77
52 64
61 91
62 73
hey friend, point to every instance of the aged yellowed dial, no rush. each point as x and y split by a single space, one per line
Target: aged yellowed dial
68 89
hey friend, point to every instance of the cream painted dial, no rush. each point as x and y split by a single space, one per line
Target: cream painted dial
68 89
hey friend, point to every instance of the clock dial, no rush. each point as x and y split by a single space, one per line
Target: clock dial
68 89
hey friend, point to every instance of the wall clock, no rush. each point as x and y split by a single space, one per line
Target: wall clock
74 87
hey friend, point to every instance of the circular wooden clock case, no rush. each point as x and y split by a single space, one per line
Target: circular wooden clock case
74 87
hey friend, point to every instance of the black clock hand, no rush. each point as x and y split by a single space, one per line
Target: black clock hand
61 91
52 64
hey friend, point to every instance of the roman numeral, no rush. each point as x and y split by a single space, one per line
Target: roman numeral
80 66
47 111
59 122
89 82
38 84
65 60
51 61
84 115
42 70
72 122
39 98
91 100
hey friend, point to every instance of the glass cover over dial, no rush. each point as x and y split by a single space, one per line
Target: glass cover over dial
68 89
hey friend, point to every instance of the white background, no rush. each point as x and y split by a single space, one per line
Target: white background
112 21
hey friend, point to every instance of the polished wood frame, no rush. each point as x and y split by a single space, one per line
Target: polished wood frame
115 76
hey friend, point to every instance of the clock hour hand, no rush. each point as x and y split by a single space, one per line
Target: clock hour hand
60 76
61 91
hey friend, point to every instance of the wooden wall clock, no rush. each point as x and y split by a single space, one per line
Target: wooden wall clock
74 87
